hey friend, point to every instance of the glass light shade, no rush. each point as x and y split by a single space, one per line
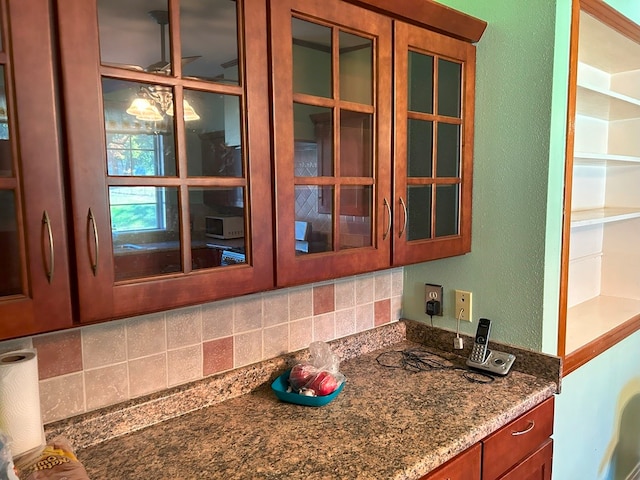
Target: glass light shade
142 109
188 111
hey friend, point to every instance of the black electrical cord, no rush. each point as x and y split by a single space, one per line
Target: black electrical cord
419 360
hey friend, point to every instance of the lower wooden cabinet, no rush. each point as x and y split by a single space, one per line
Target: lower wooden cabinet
521 450
465 466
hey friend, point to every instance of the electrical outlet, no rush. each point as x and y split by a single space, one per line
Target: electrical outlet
433 292
463 302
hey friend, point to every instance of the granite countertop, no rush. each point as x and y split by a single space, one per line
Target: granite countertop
386 423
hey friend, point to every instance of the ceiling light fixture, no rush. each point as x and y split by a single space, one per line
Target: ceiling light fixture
153 101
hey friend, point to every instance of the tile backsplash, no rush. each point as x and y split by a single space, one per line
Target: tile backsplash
91 367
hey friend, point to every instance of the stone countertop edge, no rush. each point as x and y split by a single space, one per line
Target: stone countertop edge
97 426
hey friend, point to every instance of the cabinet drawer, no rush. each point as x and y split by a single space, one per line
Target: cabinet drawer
536 466
508 446
465 466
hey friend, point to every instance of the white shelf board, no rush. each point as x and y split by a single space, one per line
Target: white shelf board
595 317
598 216
606 105
583 158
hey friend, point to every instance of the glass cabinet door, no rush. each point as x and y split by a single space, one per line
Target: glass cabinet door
333 148
181 153
434 139
34 279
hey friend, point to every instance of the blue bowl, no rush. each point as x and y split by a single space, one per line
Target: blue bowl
280 385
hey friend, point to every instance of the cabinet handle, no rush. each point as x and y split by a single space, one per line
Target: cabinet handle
91 220
47 223
404 224
386 204
526 430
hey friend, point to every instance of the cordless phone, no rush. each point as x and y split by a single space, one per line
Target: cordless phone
482 358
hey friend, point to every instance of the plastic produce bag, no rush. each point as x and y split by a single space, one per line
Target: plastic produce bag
6 461
320 376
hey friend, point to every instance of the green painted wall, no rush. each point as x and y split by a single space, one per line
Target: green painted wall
513 269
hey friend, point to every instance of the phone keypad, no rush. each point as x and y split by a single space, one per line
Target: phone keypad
478 353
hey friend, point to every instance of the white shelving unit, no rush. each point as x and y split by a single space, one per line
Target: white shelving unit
604 266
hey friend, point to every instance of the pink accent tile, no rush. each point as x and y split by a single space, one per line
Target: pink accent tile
217 355
58 353
323 299
382 312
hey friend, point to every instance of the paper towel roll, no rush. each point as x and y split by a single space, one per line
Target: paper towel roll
20 401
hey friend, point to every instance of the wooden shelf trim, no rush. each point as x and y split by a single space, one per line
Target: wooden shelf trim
431 15
598 216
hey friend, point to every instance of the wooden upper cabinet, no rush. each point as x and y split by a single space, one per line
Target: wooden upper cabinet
34 280
167 118
600 285
433 158
331 68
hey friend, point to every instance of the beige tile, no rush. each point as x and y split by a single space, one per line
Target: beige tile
364 289
184 327
300 334
247 314
364 317
17 344
345 322
146 335
324 327
300 303
382 285
61 397
396 308
103 345
147 375
397 281
217 320
247 348
106 386
275 341
184 365
275 308
345 293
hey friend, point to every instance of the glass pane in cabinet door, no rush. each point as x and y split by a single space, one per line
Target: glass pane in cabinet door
419 148
313 127
139 129
145 224
214 140
447 210
135 35
356 68
448 157
420 80
6 164
355 229
449 84
11 278
356 144
313 229
217 227
418 212
311 58
209 35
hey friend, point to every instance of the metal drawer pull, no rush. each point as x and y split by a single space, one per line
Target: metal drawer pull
526 430
92 220
386 232
404 225
47 223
